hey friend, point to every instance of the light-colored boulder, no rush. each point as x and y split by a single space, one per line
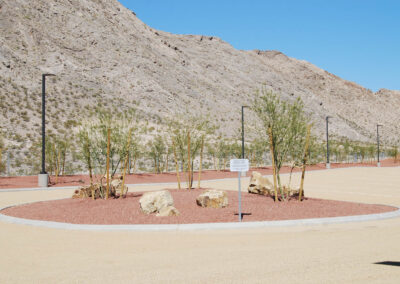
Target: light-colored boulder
212 198
168 211
260 185
88 191
155 201
116 187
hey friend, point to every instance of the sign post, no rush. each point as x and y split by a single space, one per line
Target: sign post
239 165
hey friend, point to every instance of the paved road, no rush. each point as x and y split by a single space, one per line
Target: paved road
344 253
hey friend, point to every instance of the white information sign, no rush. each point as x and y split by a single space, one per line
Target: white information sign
239 165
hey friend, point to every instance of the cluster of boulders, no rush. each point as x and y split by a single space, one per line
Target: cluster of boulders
98 190
159 202
261 185
162 203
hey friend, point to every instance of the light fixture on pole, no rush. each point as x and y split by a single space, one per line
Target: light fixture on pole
43 176
377 140
328 164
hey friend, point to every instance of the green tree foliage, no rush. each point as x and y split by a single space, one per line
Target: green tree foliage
393 152
93 139
288 123
197 129
157 150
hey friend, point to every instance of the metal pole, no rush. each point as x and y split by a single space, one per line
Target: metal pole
377 138
242 132
43 123
328 165
240 199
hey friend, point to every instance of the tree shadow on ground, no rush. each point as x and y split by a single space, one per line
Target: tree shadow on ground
391 263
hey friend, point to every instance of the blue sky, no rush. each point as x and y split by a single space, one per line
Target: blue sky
358 40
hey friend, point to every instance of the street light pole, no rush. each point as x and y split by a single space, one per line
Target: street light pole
328 164
243 131
243 173
377 138
43 176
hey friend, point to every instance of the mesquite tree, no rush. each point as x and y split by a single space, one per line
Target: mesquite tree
157 149
393 152
93 140
284 124
187 136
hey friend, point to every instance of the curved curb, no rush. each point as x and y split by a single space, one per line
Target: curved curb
200 226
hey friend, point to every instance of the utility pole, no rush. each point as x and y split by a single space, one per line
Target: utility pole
377 138
328 164
243 173
43 176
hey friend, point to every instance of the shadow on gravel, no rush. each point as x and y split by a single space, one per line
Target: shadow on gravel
392 263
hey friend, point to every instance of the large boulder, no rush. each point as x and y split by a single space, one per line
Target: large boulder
98 190
168 211
116 187
260 185
88 191
212 198
154 201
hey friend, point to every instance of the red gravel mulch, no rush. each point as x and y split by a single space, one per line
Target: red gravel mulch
127 211
77 180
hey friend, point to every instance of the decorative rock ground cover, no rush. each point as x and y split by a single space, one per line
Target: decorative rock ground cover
127 210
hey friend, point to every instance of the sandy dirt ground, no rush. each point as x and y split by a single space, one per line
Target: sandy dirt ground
346 253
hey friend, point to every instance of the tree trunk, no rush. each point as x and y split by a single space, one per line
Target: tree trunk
201 161
89 162
273 161
63 163
108 162
189 170
134 163
126 163
304 162
166 161
176 166
215 163
58 165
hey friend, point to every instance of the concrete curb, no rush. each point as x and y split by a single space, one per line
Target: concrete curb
200 226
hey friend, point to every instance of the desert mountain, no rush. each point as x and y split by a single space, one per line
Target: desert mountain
104 55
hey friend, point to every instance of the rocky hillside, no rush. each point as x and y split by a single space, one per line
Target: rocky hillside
104 55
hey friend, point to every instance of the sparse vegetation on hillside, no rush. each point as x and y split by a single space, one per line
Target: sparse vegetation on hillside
158 73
